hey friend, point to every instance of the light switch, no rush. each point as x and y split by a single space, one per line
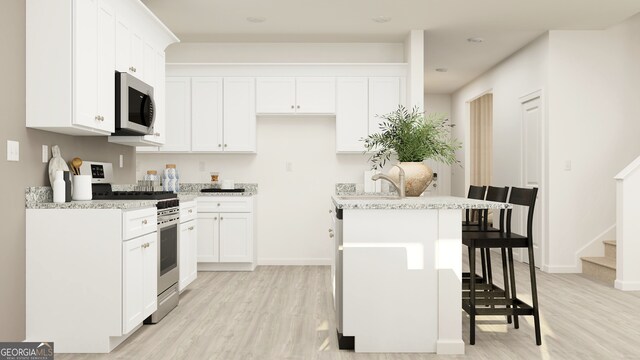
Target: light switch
121 160
45 153
13 150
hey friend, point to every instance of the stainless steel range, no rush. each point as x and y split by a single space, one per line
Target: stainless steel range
168 220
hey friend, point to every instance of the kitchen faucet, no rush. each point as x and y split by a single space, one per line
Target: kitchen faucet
399 187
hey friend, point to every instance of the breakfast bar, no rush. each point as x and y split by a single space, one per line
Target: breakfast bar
398 272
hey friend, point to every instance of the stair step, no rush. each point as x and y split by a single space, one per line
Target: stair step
610 248
600 268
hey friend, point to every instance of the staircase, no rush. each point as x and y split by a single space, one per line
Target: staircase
602 268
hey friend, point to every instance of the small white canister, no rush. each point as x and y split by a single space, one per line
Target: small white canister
228 184
82 187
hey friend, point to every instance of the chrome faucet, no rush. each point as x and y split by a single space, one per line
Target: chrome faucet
399 187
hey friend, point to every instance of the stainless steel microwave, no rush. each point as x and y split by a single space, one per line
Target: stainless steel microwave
134 106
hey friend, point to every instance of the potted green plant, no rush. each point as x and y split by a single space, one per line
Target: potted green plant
413 137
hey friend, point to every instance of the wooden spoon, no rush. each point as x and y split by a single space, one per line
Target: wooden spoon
76 163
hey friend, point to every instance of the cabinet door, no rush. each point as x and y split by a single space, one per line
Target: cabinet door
352 113
132 284
384 97
123 44
315 95
137 54
148 73
188 254
206 114
178 114
106 64
86 63
275 95
239 114
236 239
149 274
208 237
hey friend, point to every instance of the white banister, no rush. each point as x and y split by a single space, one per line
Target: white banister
628 227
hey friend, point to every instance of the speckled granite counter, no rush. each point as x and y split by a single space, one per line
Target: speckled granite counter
194 189
94 204
378 202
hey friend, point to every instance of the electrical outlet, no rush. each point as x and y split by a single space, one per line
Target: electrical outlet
567 165
13 150
45 153
121 160
289 166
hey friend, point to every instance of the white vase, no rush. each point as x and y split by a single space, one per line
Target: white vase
418 176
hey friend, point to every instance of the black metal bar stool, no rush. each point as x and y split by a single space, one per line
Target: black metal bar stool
477 301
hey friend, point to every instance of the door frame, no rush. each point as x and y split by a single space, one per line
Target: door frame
467 138
543 196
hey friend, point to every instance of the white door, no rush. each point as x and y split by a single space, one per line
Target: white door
192 269
137 54
384 97
86 63
106 63
532 169
352 113
178 114
235 238
132 284
208 237
149 274
123 45
275 95
239 114
148 74
315 95
206 114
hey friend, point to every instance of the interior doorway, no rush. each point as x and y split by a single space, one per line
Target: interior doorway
481 140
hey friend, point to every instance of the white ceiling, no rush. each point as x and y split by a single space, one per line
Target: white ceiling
506 25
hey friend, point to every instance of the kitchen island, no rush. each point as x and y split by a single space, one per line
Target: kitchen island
398 272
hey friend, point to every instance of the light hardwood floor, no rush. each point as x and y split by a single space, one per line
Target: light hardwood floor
286 312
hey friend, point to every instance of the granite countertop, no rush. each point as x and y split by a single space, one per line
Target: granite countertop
94 204
380 202
193 189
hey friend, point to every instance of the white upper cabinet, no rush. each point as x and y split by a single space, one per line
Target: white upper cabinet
385 94
315 95
178 111
239 115
206 114
302 95
352 113
73 48
276 95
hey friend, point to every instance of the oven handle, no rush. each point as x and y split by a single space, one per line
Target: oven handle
172 222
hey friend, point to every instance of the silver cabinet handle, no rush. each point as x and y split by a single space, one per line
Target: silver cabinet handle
191 228
219 145
97 118
298 106
190 211
144 222
221 218
225 145
330 211
218 204
215 218
292 106
156 134
331 235
330 230
130 68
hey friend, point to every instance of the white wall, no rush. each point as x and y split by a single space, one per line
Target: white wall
440 103
285 53
520 74
594 111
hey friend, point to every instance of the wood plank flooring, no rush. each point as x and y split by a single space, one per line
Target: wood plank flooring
286 312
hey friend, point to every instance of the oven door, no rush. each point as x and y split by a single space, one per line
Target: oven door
167 255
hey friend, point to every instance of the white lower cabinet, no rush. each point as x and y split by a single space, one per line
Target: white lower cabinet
139 280
188 253
226 239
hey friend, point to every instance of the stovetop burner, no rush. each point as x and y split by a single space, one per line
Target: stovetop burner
103 192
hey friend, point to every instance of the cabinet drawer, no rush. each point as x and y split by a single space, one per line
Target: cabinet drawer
139 222
188 211
225 204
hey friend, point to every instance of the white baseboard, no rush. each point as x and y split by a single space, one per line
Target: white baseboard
561 269
289 261
451 347
627 285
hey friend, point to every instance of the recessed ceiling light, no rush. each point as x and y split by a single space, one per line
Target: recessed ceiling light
256 19
475 40
442 69
381 19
